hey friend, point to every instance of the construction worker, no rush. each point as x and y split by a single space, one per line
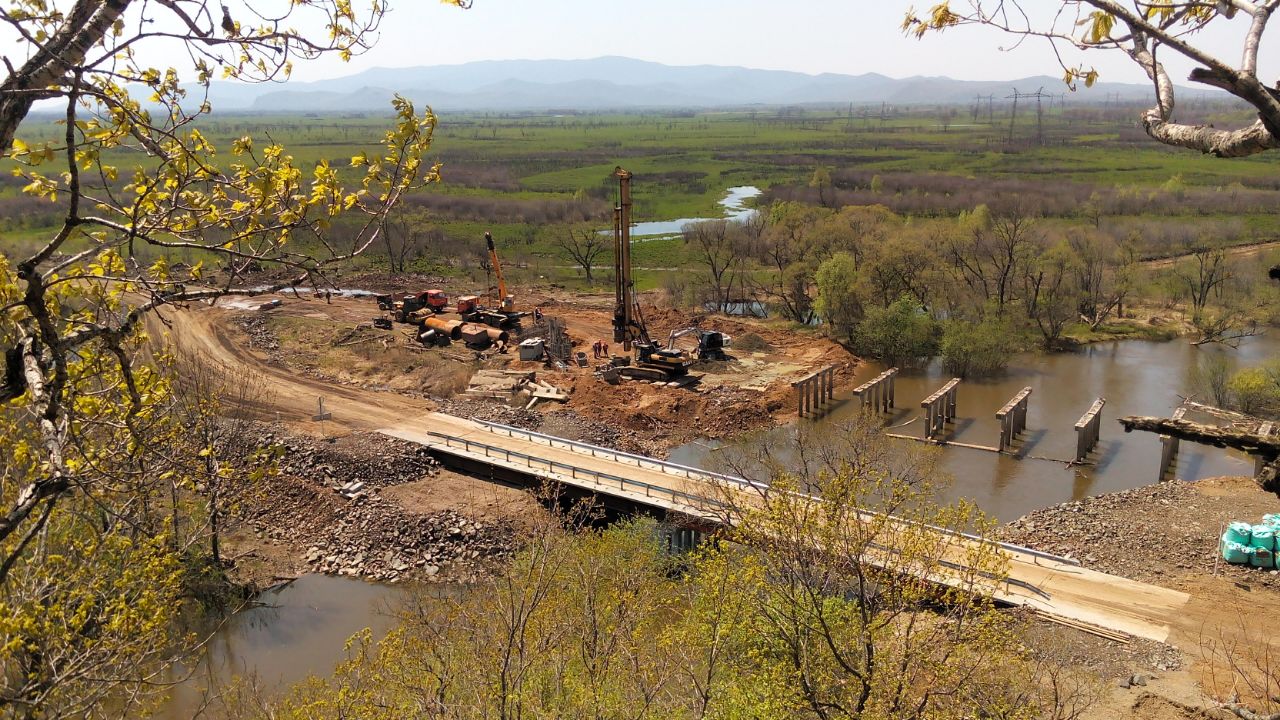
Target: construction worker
595 349
537 314
604 349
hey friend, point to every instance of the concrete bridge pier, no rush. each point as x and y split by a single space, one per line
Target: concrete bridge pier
682 540
1013 418
878 392
940 409
815 391
1169 446
1087 429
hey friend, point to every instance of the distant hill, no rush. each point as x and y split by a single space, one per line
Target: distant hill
624 83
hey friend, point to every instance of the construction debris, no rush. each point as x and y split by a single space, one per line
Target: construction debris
532 349
512 385
350 490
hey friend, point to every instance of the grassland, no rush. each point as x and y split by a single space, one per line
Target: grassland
527 177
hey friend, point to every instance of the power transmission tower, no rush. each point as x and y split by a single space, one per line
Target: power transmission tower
1039 95
1013 114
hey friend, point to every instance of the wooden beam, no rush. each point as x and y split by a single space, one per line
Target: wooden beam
1252 443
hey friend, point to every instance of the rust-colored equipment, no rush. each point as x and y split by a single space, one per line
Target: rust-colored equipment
477 334
450 328
406 306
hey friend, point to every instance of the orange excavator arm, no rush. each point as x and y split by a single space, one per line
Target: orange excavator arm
497 267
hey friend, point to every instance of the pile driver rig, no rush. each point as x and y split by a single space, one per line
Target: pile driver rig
653 362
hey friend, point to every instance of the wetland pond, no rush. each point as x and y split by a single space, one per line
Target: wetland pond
733 203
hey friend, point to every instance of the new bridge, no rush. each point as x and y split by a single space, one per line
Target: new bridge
1055 587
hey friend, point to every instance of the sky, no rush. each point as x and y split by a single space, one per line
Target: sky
811 36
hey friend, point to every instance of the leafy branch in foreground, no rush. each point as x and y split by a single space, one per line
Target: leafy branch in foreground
84 424
1146 32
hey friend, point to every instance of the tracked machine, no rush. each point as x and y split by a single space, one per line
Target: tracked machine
652 361
711 343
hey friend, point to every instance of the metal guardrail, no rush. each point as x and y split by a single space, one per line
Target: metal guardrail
639 461
577 473
693 473
490 451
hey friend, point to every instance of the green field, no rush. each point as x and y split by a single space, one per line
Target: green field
528 177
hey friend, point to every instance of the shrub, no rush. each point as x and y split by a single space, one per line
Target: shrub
976 349
900 335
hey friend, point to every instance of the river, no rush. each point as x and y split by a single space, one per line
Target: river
735 209
1136 378
299 630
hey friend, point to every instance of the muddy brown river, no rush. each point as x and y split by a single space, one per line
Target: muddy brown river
1135 377
304 629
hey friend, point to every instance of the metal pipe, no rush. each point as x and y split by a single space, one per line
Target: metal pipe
452 328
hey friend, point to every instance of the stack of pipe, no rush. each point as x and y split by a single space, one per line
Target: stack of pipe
450 328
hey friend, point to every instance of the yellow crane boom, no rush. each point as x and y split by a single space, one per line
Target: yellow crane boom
505 301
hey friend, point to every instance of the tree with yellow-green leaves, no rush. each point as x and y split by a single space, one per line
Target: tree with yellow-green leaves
91 563
1150 32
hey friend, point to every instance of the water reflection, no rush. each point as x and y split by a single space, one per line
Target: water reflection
300 630
735 210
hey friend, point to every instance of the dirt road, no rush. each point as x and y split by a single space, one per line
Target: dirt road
1234 252
288 395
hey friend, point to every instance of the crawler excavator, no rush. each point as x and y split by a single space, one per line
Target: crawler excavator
503 316
653 362
711 343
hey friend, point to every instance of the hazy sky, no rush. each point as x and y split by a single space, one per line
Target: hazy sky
813 36
844 36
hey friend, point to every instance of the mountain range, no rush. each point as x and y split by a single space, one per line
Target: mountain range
624 83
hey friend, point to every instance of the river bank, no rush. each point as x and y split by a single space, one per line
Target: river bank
1167 534
367 506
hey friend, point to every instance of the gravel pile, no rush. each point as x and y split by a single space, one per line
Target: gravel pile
573 426
1147 533
728 411
490 411
360 533
370 458
260 336
752 342
375 539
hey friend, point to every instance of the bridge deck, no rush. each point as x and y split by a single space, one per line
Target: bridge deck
1049 585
